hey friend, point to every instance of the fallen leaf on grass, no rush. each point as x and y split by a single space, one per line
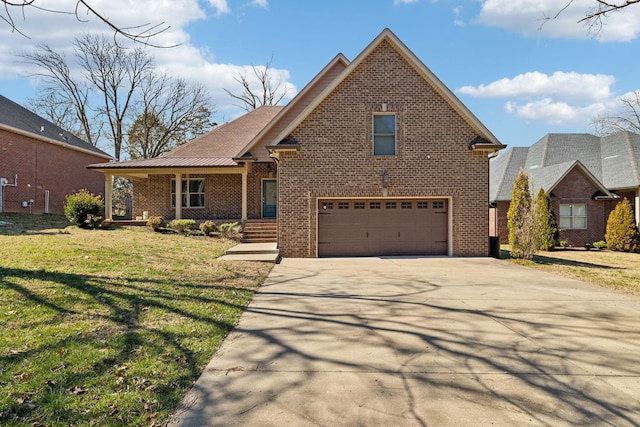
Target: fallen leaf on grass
76 390
22 376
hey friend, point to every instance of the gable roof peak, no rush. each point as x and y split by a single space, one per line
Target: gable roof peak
386 35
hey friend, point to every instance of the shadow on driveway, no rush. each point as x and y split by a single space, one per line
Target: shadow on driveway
423 341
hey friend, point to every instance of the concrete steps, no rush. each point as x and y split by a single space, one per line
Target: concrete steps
267 252
260 231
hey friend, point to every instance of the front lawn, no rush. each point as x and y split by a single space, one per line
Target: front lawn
614 270
109 327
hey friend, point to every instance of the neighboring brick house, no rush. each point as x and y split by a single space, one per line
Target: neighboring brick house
585 175
373 157
40 163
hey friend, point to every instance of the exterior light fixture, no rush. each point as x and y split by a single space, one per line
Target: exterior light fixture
385 179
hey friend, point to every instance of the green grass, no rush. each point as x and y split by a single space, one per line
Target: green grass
109 327
619 271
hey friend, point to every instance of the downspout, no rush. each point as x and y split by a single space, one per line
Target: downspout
637 205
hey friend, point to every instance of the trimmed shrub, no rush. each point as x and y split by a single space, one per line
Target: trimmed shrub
622 233
83 209
155 223
520 219
208 228
182 225
230 230
600 244
546 227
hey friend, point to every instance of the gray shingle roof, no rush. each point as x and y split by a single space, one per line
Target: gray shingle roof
621 160
15 116
613 161
503 172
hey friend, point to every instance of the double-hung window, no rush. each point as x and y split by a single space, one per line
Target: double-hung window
192 193
384 134
573 216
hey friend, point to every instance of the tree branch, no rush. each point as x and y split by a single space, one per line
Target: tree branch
139 34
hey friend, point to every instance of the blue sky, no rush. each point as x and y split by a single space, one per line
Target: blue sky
522 79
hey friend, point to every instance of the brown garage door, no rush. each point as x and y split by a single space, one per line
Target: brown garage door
382 227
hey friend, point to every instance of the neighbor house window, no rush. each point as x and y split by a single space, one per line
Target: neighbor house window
573 217
192 193
384 134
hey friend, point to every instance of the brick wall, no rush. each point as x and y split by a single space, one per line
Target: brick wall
223 196
42 167
336 157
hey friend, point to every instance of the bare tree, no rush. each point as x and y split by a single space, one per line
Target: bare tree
269 93
627 120
116 73
80 8
170 112
596 15
116 85
61 89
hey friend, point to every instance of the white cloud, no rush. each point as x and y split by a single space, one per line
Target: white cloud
260 3
562 98
567 85
221 6
527 17
557 112
405 1
185 60
457 11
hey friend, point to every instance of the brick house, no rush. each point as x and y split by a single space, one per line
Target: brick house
374 156
585 175
40 163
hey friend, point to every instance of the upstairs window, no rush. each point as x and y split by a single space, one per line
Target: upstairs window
384 134
573 217
192 193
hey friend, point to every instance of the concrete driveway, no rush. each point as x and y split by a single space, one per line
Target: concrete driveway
424 342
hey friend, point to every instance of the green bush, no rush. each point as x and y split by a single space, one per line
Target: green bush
622 233
521 219
546 227
564 244
155 223
600 244
83 209
182 225
208 227
230 230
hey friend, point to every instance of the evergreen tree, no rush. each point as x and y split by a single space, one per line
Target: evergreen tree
622 232
546 226
520 219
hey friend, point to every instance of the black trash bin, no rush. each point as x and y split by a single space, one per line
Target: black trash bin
494 246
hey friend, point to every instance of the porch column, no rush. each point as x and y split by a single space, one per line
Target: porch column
108 196
245 178
178 196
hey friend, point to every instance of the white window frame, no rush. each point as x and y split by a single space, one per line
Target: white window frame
186 195
385 135
567 221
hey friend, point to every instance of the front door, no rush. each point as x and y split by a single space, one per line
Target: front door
269 198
